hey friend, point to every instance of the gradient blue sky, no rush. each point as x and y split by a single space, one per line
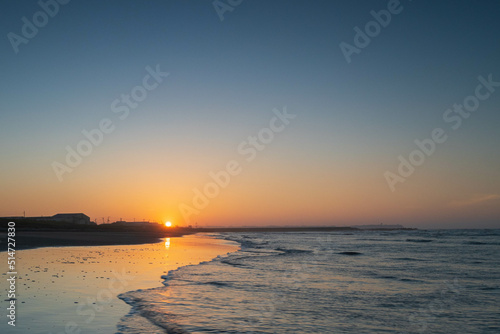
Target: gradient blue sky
353 120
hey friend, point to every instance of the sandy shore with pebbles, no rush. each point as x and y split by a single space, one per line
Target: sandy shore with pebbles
74 289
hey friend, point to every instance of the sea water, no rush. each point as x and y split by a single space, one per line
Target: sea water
440 281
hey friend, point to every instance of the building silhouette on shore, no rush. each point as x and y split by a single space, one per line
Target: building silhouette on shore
68 218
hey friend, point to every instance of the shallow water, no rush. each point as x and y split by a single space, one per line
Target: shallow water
74 289
364 282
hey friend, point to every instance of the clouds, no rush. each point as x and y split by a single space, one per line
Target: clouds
474 200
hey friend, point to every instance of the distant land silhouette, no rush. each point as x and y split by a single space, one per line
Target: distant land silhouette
76 229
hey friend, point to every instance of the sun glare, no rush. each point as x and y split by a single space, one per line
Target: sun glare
168 224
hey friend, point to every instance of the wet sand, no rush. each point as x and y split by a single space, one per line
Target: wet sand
74 289
36 239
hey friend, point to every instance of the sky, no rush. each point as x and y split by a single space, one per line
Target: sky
253 112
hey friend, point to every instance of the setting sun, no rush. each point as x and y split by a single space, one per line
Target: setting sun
168 224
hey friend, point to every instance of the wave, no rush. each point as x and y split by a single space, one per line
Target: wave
233 263
351 253
409 280
246 242
419 240
481 243
286 251
147 315
216 283
142 312
166 278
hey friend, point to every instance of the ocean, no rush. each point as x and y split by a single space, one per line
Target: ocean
438 281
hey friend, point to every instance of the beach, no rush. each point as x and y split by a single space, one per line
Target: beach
29 239
75 289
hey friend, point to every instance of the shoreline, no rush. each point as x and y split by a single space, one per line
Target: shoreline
39 239
32 239
83 283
